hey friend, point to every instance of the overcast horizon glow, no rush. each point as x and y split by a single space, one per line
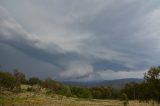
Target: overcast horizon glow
80 40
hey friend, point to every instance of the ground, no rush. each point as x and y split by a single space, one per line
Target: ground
41 99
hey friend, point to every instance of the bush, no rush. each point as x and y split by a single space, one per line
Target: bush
124 98
7 80
29 89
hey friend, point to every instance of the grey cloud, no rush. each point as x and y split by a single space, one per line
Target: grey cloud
122 28
11 58
77 70
27 53
106 35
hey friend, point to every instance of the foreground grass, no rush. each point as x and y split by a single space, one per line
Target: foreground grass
37 99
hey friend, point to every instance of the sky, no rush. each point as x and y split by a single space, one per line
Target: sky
80 40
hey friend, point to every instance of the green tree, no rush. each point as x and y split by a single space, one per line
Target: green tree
81 92
19 79
34 81
51 84
102 92
64 90
7 80
131 89
152 79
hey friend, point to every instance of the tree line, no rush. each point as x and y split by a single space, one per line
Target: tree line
149 89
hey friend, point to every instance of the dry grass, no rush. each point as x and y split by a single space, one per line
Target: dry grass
32 99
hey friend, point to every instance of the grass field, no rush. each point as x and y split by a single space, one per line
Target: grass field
35 99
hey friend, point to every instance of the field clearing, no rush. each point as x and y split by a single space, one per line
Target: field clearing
35 99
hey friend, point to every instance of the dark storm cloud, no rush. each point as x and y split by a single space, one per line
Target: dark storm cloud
83 39
21 51
11 58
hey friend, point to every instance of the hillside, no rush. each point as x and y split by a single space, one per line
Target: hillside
118 83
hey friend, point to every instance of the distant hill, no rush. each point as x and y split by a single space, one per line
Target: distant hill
118 83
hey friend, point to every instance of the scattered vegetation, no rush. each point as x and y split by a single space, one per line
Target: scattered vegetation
16 84
124 98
